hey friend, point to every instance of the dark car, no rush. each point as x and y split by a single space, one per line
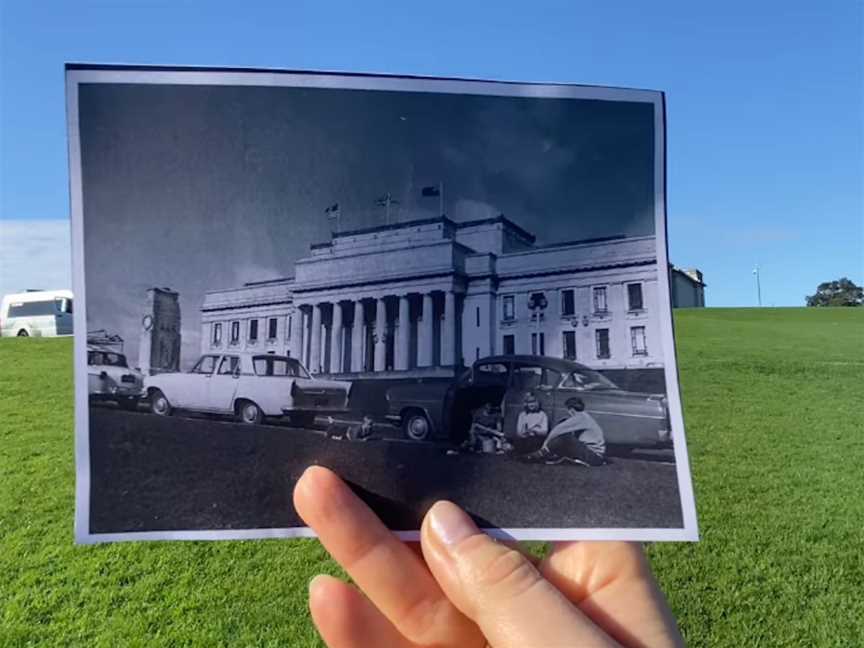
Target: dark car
442 410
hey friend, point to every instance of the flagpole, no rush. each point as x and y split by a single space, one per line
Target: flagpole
441 198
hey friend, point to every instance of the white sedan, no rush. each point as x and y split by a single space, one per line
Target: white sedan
249 387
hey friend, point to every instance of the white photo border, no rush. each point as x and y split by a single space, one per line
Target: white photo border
90 73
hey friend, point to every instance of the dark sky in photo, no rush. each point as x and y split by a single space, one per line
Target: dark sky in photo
203 187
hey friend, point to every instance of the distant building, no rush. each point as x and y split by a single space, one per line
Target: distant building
425 297
688 288
159 348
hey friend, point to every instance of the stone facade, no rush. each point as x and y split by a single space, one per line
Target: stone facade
425 297
159 347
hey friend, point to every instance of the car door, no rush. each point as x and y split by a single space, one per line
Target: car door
625 418
222 386
191 392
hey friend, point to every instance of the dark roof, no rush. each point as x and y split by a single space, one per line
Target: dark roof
559 364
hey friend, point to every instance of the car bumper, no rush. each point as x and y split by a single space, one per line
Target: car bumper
118 394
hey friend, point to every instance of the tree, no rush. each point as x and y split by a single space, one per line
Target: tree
841 292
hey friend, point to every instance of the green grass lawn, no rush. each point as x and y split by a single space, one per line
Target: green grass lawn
774 404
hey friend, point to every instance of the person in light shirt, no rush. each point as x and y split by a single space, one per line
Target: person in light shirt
532 426
577 439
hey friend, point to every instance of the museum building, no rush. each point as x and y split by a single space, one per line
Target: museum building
426 297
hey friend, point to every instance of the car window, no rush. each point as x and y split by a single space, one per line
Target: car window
108 358
491 373
278 366
205 365
32 309
586 379
526 377
228 365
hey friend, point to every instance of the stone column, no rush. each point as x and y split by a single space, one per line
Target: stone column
357 338
296 333
403 341
315 340
380 334
425 340
448 330
336 339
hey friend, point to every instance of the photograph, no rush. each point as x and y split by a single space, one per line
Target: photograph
438 288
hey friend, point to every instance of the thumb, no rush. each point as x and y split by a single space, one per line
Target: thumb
498 588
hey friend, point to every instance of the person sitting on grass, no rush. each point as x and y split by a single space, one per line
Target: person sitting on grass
577 439
532 426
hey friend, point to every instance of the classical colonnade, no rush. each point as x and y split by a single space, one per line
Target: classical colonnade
323 331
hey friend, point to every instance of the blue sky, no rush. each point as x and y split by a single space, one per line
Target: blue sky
764 101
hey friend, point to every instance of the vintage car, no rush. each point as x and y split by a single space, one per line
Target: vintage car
434 409
109 378
248 387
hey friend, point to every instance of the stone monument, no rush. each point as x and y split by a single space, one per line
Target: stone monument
159 350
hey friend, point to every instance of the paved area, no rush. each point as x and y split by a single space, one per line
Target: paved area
151 473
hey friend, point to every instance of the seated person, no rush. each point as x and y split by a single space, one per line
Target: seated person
577 439
532 426
485 426
362 431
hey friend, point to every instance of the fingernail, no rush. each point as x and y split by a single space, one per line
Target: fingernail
313 584
450 523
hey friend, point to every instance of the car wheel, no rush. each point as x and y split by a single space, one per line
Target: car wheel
249 413
416 426
159 405
23 333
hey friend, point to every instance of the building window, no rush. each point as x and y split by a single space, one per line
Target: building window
569 345
509 308
538 344
568 303
288 328
272 328
477 316
235 332
253 330
634 297
217 334
600 305
509 345
637 340
601 336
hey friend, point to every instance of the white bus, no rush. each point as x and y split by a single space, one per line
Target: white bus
37 313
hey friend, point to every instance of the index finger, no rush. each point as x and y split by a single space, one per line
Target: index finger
394 578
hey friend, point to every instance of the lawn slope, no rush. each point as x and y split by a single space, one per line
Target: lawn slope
773 406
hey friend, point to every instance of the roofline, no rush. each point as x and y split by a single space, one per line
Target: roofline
523 357
431 221
689 277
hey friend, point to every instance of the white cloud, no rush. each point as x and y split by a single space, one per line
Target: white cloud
34 254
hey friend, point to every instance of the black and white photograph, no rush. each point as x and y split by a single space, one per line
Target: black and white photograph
438 288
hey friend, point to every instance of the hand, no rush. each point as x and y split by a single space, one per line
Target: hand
468 591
